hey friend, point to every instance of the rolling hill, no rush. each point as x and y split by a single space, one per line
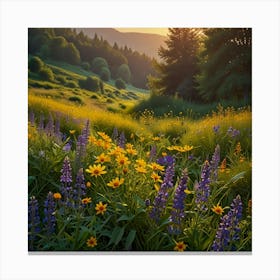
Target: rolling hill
141 42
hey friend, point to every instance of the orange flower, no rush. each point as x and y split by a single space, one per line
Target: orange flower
57 196
156 177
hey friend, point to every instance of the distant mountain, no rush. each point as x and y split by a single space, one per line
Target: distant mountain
141 42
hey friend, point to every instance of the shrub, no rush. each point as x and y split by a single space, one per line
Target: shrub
47 74
85 66
124 73
94 96
72 84
91 83
36 64
75 99
61 79
105 74
98 63
109 100
120 84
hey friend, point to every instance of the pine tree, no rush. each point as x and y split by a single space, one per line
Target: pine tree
176 72
225 64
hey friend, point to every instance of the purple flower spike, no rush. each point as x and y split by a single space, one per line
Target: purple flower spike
215 163
202 189
177 214
122 140
153 152
49 209
162 196
166 160
80 187
33 221
228 230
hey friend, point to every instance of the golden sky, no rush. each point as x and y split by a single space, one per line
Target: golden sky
161 31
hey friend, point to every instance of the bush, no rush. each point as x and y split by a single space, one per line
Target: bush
94 96
98 63
105 74
85 66
91 83
47 74
61 79
72 84
120 84
124 73
75 99
36 64
109 100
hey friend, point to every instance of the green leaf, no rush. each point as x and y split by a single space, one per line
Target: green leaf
125 218
130 238
117 235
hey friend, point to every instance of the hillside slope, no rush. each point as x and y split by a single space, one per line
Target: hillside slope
141 42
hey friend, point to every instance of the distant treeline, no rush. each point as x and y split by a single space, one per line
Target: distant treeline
96 54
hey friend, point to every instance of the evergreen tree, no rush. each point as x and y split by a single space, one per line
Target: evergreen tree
176 72
225 64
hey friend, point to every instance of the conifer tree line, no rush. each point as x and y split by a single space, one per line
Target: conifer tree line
197 65
205 65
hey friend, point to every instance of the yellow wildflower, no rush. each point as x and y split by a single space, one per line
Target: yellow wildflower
180 246
72 131
96 170
156 167
218 209
91 242
115 183
141 162
102 158
156 177
141 169
100 208
86 200
122 160
88 184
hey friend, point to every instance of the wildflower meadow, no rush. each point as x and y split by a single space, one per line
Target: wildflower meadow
126 157
89 190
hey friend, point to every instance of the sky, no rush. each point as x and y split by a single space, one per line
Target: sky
160 31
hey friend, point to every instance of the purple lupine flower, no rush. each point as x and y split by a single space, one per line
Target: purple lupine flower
57 131
202 189
232 132
191 157
49 129
115 134
216 128
166 160
81 145
177 214
162 196
66 179
49 212
41 123
32 118
33 221
228 230
153 152
80 187
122 140
215 163
67 147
